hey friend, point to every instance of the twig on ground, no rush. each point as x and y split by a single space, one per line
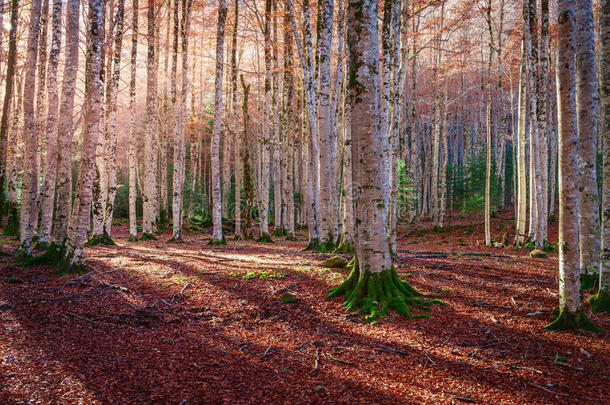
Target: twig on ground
339 360
316 363
267 352
549 391
185 287
386 348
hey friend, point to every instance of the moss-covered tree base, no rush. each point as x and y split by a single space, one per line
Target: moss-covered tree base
103 239
176 240
290 237
279 231
313 245
588 280
42 245
372 294
12 222
265 238
600 302
132 238
147 236
344 248
217 242
52 256
567 320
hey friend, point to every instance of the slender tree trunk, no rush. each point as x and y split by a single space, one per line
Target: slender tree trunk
47 196
571 312
488 132
179 141
248 186
542 104
587 100
600 302
217 237
6 112
110 164
133 147
41 98
29 186
521 169
239 166
288 132
65 126
150 167
79 222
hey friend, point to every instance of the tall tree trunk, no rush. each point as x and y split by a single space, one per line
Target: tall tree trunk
47 196
248 186
179 141
288 143
600 302
6 111
150 167
373 285
133 146
79 222
217 237
571 312
542 104
237 151
278 164
325 30
41 97
521 169
488 132
65 127
587 100
110 155
29 186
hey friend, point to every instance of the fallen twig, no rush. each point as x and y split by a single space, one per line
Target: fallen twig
549 391
386 348
339 360
185 287
317 362
267 351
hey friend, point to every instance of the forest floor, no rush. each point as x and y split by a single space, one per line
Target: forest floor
155 322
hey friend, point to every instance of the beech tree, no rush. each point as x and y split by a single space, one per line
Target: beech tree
217 236
600 302
373 286
571 312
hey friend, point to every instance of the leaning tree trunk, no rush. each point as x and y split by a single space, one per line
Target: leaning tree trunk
6 113
29 186
133 147
50 174
373 285
587 113
150 161
65 127
571 312
217 237
79 223
600 302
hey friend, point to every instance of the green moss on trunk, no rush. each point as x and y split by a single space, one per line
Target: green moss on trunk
279 231
600 302
217 242
290 236
103 239
567 320
345 247
588 280
264 238
52 256
313 245
12 222
176 240
41 245
372 294
147 236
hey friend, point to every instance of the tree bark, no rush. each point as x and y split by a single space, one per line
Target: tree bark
133 147
217 236
79 222
587 100
29 186
571 312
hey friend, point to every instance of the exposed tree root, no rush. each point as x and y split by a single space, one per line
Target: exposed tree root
345 246
372 294
264 238
217 242
103 239
600 302
572 321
